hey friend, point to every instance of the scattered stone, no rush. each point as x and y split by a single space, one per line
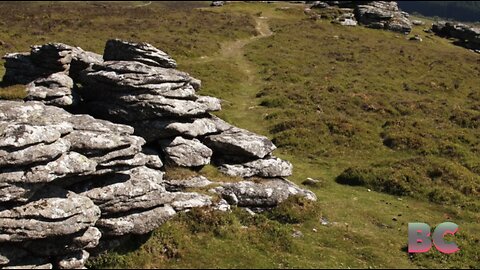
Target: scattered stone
73 261
324 221
319 4
297 234
217 3
311 182
346 19
416 38
417 22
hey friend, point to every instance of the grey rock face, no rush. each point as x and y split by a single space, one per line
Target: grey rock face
192 182
187 153
217 3
66 165
73 261
136 223
138 188
240 142
64 214
55 90
20 68
52 56
383 14
468 36
265 193
82 60
142 52
132 91
373 14
34 154
44 60
153 130
269 167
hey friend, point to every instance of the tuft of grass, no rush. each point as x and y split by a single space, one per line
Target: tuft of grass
13 92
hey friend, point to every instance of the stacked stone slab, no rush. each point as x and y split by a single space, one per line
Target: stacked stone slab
66 180
138 85
373 14
469 36
49 69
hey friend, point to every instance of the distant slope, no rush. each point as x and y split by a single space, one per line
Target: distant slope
458 10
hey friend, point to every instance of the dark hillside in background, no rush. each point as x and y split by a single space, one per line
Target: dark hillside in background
468 11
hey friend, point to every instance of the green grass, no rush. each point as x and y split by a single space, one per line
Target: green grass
396 121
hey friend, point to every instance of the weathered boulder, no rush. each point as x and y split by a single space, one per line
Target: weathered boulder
44 60
20 68
37 153
238 143
73 261
55 90
55 57
152 130
346 19
191 182
383 15
217 3
468 36
59 213
82 60
268 167
117 49
187 153
63 245
136 223
263 194
138 188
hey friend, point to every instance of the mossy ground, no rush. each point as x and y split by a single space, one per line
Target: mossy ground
355 106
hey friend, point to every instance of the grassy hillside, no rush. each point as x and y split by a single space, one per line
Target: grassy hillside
391 127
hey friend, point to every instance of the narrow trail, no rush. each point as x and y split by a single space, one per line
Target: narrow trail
234 49
244 103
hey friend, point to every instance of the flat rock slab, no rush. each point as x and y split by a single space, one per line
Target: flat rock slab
240 142
187 153
117 49
268 167
136 223
60 213
56 89
138 188
157 129
262 194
